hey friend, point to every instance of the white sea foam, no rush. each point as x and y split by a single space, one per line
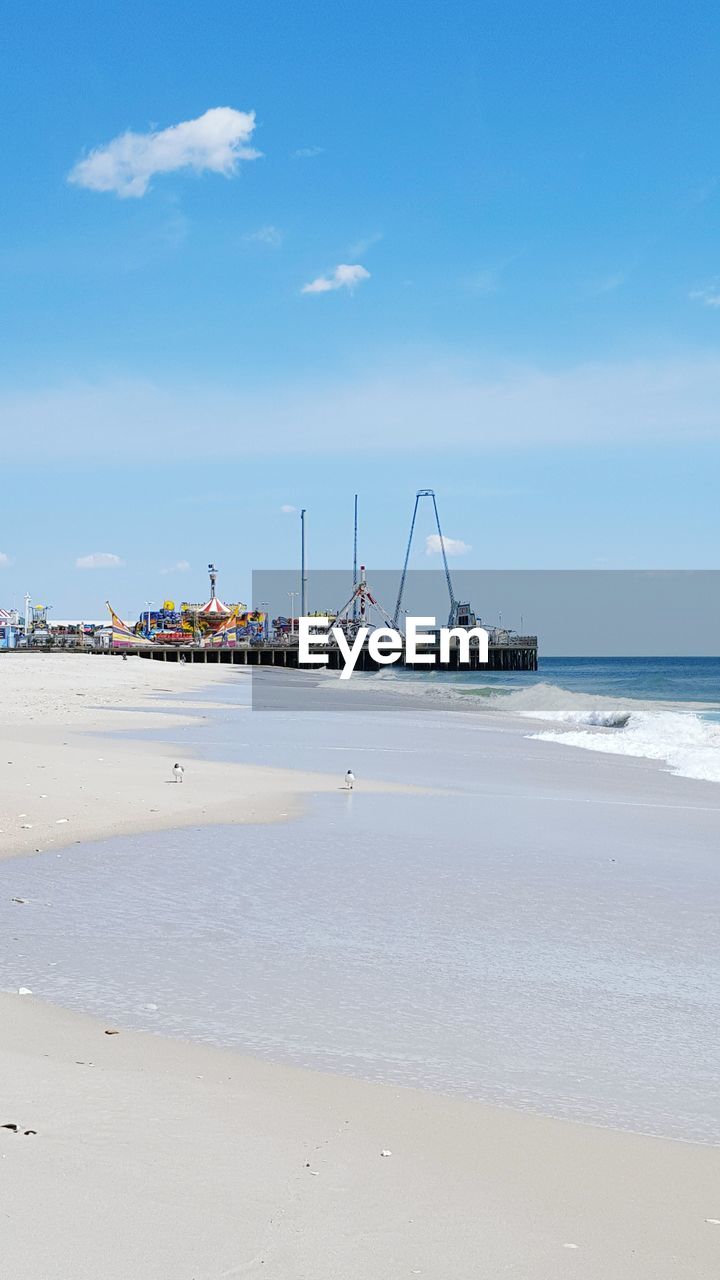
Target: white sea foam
673 733
550 703
686 744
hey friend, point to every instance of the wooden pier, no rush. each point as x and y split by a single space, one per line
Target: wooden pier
518 654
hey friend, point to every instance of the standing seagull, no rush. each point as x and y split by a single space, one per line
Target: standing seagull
178 772
349 779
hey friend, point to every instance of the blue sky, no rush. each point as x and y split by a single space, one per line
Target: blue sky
532 192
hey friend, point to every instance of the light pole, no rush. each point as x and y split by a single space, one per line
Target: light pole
149 604
302 562
266 628
293 596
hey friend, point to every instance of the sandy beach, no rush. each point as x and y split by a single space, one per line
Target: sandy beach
136 1155
159 1160
60 784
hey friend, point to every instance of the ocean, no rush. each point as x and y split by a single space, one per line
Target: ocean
664 709
648 679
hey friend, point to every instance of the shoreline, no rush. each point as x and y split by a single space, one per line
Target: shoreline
65 779
160 1158
166 1159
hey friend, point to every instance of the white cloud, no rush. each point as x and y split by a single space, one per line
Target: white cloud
710 295
180 566
343 277
214 141
266 235
99 560
307 153
4 560
453 546
287 509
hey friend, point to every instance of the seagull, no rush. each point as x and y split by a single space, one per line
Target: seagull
178 772
349 779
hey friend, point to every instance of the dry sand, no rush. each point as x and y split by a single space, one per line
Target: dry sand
59 785
159 1160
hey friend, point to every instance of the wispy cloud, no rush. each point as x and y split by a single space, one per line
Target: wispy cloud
99 560
453 546
180 566
173 231
266 235
287 509
709 296
391 406
4 560
343 277
610 283
214 142
700 194
487 280
361 247
307 153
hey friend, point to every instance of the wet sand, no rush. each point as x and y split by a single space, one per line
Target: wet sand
163 1160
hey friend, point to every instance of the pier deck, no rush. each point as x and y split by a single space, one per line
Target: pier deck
519 654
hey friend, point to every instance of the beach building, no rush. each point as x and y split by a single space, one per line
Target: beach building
10 628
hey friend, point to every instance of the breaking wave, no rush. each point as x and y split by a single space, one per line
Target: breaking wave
688 745
550 703
678 735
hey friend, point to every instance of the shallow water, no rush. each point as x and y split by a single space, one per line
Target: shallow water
528 954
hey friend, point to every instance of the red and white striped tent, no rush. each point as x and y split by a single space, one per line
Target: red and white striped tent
214 609
8 618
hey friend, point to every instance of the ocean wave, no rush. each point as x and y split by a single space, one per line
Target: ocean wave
549 702
417 686
675 734
595 716
685 743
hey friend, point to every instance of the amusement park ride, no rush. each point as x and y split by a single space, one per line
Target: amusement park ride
362 602
461 615
211 623
216 625
362 607
215 631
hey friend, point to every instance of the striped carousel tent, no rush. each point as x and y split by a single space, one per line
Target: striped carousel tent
214 610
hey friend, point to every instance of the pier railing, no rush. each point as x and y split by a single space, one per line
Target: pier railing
517 653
